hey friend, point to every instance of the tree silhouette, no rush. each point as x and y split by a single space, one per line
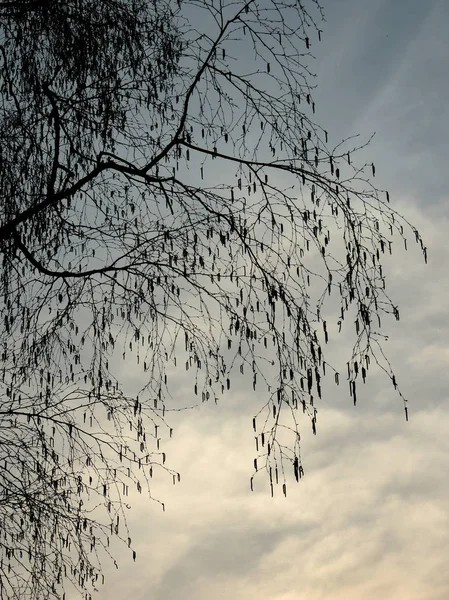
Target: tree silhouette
167 200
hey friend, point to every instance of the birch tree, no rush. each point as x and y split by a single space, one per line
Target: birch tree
168 202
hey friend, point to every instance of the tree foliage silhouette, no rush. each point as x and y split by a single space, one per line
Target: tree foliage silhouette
167 199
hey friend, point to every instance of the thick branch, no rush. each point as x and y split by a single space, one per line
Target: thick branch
7 230
65 274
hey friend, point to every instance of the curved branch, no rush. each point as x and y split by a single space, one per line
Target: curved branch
64 274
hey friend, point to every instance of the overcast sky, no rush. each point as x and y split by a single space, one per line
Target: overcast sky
370 519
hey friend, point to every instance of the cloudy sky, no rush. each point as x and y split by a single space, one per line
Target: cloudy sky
370 519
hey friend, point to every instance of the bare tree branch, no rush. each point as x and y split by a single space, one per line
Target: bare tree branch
168 200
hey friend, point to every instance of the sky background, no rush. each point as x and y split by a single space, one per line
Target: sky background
370 519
